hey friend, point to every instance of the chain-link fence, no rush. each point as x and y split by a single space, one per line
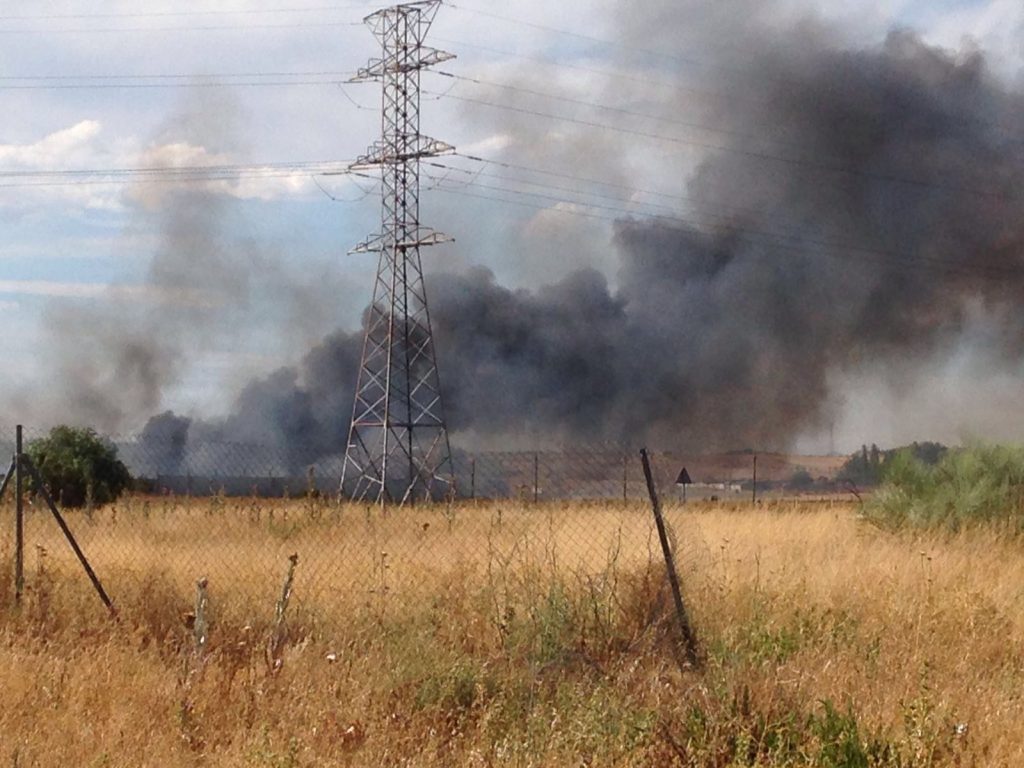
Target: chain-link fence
234 512
208 467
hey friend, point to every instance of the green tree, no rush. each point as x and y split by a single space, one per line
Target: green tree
867 467
79 467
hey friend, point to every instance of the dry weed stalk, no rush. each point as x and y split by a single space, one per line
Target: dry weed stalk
275 645
529 642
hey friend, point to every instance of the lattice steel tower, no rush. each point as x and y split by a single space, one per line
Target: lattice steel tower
398 447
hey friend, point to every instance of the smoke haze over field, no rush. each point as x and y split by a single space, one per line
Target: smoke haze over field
851 206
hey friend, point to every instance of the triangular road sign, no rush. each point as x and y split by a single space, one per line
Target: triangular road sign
684 478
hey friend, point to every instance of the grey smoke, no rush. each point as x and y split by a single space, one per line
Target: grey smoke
721 327
113 360
723 332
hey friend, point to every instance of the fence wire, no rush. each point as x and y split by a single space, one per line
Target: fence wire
233 513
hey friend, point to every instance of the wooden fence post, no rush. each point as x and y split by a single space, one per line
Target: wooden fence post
685 629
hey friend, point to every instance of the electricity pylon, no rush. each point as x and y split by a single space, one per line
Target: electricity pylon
398 448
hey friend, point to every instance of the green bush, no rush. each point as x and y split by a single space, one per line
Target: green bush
975 484
801 480
78 467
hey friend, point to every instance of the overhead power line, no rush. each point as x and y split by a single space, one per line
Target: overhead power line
706 210
166 14
169 80
183 84
582 179
744 218
285 164
170 174
790 244
191 28
799 162
609 108
644 80
181 76
577 35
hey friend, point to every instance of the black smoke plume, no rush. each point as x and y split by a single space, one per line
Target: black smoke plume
849 205
873 205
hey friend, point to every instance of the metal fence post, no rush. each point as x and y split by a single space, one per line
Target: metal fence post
472 478
19 519
41 487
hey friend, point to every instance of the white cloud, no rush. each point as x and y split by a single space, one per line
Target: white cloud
55 151
38 171
75 147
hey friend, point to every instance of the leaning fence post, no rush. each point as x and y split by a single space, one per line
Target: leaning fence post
19 518
67 533
685 629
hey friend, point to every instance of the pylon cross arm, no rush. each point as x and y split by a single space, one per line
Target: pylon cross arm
420 237
400 64
415 148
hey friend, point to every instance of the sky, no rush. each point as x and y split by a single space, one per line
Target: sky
160 84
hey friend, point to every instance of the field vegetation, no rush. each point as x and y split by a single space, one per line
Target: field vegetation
510 634
976 485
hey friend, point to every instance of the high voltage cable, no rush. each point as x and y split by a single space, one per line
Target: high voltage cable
146 86
286 164
196 80
549 61
610 213
717 204
164 14
629 207
207 28
797 162
607 107
577 35
162 76
574 190
703 206
901 260
901 266
586 180
190 174
169 173
647 81
616 44
733 227
189 179
186 179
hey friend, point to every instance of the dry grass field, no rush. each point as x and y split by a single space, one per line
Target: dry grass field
504 634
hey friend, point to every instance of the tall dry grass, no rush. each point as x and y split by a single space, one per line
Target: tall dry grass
504 634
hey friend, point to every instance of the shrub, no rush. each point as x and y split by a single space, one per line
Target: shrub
975 484
801 480
79 467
